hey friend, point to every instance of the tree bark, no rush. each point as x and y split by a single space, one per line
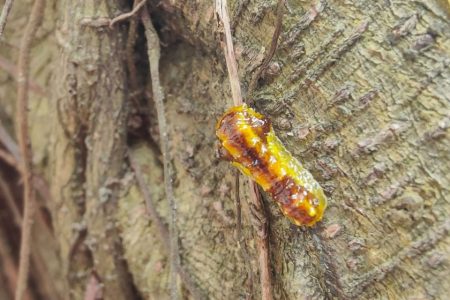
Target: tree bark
357 90
90 115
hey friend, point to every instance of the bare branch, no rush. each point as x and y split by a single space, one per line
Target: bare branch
12 70
9 268
34 21
9 143
127 15
10 202
101 22
240 238
151 209
10 160
263 244
230 58
153 49
13 158
161 226
255 197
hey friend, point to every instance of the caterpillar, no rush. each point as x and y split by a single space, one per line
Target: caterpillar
248 140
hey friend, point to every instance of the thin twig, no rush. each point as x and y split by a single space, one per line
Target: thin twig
15 160
9 143
240 237
4 16
263 244
230 58
151 209
127 15
5 191
161 226
9 269
153 49
34 21
43 280
269 54
10 160
12 70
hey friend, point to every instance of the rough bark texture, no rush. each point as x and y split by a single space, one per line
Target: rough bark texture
88 147
358 91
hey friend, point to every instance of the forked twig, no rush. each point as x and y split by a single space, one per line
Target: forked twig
263 244
153 49
100 22
127 15
34 21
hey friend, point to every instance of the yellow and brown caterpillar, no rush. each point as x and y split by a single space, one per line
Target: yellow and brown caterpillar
249 142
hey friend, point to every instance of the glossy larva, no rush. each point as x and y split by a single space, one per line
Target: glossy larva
250 143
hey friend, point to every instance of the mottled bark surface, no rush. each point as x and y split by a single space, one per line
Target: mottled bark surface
358 91
88 147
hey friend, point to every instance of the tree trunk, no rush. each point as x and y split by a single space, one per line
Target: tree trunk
357 90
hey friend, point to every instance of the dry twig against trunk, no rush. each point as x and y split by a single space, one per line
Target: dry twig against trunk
255 199
153 49
9 268
24 143
136 8
228 49
161 226
240 237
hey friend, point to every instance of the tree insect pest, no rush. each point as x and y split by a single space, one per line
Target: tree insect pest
249 142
